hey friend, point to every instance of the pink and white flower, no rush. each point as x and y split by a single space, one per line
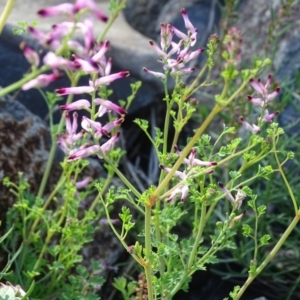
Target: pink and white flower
239 198
75 90
108 106
253 128
64 8
40 81
76 105
32 56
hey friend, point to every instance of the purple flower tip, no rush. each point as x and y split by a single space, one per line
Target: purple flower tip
60 92
277 90
162 166
42 12
221 185
183 11
249 98
213 163
124 73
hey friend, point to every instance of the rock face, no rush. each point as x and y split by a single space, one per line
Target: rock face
24 146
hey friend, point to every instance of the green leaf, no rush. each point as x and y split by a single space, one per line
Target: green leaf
264 240
247 230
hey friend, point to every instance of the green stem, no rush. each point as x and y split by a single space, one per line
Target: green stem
46 204
187 149
195 82
255 234
135 257
284 177
148 251
111 20
54 146
198 238
270 256
16 85
7 9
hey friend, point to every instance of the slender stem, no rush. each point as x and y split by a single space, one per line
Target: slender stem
16 85
187 149
112 20
46 204
270 256
148 251
284 177
7 9
54 146
121 176
158 204
116 232
195 82
198 238
255 234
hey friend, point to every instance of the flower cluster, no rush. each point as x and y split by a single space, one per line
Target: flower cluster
88 58
191 162
233 43
181 50
262 102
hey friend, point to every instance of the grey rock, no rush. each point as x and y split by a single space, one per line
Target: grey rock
24 147
142 15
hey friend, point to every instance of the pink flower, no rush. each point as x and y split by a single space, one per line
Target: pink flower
256 101
81 153
45 39
177 173
31 55
40 81
71 127
101 52
67 140
109 144
187 22
183 190
58 62
108 106
192 161
109 78
83 183
96 149
253 128
89 125
79 104
269 117
87 65
64 8
156 74
91 5
263 91
166 35
238 200
107 128
75 90
87 27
